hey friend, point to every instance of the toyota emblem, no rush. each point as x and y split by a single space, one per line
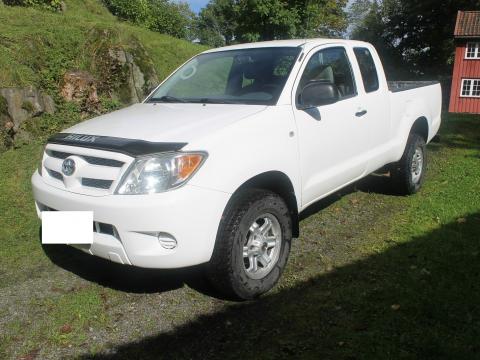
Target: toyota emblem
68 167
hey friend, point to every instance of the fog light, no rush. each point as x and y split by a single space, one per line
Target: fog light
167 241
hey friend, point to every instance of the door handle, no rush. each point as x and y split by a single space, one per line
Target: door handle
361 113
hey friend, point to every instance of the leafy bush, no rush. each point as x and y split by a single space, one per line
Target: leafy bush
47 4
136 11
163 16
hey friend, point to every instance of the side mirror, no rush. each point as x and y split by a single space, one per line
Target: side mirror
318 93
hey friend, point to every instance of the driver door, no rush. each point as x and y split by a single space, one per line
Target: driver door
332 138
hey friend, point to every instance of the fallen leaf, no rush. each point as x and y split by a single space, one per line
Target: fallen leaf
31 355
395 307
65 329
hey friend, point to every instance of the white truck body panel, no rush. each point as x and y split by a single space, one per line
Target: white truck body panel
318 156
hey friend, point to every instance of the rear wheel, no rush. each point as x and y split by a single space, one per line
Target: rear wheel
252 245
409 173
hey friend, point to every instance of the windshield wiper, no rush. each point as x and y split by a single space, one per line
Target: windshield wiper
167 98
214 101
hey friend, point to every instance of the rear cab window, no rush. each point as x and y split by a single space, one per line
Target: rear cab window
367 69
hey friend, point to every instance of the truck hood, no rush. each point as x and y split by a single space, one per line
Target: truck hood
165 122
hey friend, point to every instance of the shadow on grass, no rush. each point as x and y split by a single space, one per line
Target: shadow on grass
460 132
417 300
123 277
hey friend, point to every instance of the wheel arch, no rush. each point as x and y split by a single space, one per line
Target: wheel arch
421 127
279 183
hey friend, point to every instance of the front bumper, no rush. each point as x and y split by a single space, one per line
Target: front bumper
190 214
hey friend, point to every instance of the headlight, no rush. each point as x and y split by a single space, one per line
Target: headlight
160 172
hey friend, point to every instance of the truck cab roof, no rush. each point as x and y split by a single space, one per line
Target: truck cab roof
305 43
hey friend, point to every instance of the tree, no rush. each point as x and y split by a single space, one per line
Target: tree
358 11
173 18
320 18
261 20
227 21
217 22
413 35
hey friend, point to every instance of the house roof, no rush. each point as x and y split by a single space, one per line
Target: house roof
468 24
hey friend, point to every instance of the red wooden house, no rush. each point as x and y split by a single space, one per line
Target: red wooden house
465 93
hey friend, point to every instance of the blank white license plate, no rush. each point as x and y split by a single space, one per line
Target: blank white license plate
67 227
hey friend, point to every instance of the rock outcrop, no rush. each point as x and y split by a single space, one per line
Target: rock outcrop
135 81
124 72
23 104
18 105
81 87
118 74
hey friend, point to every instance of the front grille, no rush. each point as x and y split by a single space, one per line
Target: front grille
55 174
97 183
93 175
90 159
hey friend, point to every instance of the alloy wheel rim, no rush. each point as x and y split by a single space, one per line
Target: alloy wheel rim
417 165
261 248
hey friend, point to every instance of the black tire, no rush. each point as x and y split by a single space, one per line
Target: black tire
227 268
404 180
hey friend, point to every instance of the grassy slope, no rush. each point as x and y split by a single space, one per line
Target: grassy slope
35 44
38 47
373 276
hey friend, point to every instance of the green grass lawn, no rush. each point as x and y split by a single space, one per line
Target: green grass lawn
373 276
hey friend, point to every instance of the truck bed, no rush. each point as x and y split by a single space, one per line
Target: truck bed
397 86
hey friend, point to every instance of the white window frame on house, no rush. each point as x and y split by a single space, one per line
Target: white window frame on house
470 88
472 50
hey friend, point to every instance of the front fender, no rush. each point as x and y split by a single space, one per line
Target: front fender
262 143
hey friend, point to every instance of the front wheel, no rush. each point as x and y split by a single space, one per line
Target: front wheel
252 245
409 173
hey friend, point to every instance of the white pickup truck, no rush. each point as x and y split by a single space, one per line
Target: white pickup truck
217 163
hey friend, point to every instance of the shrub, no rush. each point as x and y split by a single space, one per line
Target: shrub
47 4
163 16
136 11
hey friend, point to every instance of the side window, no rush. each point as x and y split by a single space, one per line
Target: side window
368 69
330 65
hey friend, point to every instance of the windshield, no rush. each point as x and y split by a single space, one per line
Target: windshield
247 76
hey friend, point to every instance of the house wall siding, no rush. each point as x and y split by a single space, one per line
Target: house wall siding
464 69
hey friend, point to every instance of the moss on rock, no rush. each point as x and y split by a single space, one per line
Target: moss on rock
3 106
28 106
124 69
